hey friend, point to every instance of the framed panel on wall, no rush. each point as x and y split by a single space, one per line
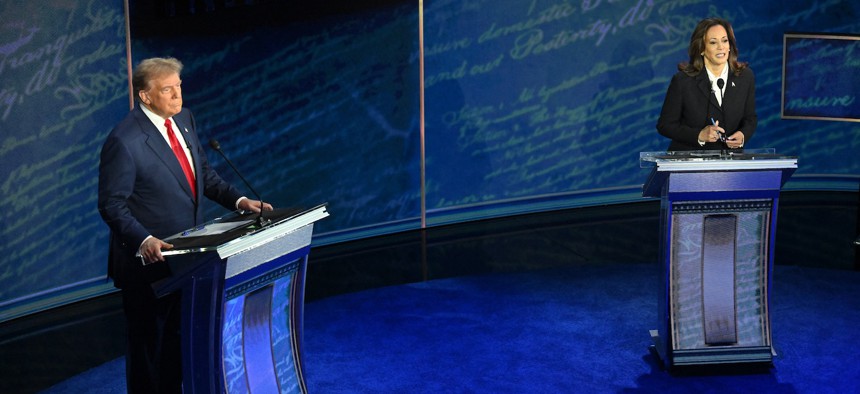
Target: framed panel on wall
821 77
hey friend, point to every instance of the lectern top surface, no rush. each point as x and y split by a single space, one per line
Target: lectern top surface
709 163
726 159
231 228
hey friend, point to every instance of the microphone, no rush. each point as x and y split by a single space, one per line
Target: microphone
720 84
261 221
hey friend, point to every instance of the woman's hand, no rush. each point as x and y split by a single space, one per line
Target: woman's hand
711 133
736 140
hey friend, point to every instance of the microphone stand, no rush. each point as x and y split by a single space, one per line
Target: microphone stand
261 221
725 151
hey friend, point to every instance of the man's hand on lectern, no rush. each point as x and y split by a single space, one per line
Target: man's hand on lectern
151 249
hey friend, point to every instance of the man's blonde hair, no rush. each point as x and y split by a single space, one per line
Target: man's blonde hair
152 68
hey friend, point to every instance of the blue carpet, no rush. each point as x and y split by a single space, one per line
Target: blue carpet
580 329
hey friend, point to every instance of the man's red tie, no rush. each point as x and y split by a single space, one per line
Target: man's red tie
180 155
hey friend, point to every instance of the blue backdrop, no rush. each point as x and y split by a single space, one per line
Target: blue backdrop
531 98
64 85
528 105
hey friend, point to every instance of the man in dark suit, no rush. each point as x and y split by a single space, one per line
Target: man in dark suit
710 103
152 175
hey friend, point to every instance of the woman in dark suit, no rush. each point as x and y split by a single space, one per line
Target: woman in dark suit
710 103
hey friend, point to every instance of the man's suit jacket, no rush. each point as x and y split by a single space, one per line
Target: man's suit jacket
143 191
689 106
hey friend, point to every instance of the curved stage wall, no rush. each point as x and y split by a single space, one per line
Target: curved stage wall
529 106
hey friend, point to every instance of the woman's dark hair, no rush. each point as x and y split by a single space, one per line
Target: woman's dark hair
697 47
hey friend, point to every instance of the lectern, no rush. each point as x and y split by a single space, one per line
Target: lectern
718 225
242 284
